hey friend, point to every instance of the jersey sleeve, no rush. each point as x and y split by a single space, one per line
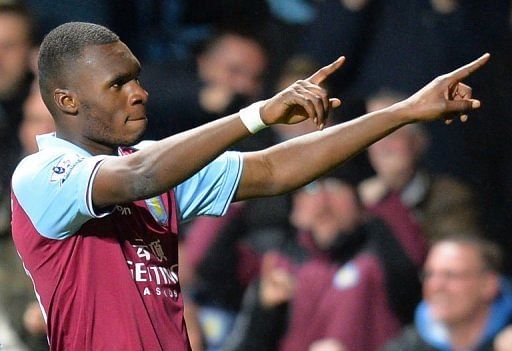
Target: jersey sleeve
55 191
211 190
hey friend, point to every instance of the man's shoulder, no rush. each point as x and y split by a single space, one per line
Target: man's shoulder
56 163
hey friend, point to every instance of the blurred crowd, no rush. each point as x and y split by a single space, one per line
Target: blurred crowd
405 247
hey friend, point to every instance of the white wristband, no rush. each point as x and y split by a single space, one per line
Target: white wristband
251 118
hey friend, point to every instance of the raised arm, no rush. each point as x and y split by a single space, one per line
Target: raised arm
170 161
294 163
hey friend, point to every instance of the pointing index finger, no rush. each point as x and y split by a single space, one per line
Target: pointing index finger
324 72
466 70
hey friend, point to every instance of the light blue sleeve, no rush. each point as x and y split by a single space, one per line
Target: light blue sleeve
55 191
211 190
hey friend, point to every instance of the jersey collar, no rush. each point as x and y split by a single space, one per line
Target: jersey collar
50 140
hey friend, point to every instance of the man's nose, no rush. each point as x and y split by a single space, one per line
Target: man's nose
138 94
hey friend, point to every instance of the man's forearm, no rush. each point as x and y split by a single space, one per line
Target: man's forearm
176 158
166 163
296 162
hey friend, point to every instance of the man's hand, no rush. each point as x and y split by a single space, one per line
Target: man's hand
503 341
277 284
290 165
302 100
444 97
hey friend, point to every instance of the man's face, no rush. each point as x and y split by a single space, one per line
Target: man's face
456 286
111 102
14 53
325 207
394 154
236 64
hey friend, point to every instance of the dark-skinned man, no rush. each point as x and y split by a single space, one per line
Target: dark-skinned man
95 216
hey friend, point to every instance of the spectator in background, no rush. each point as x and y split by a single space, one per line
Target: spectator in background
229 74
36 120
222 256
16 44
466 301
35 328
231 64
17 36
441 204
339 284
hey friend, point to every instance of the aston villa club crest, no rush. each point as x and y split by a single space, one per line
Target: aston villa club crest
157 209
346 277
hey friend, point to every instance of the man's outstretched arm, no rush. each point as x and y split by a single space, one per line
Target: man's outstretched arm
287 166
168 162
294 163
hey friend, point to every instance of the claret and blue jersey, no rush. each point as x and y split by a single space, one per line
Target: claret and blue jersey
108 279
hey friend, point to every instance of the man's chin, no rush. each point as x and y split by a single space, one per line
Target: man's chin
135 140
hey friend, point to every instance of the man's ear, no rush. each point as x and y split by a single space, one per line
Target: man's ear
492 287
66 101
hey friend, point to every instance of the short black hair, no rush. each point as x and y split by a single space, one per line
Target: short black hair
65 43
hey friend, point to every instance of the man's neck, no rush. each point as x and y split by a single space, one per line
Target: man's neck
465 335
92 147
